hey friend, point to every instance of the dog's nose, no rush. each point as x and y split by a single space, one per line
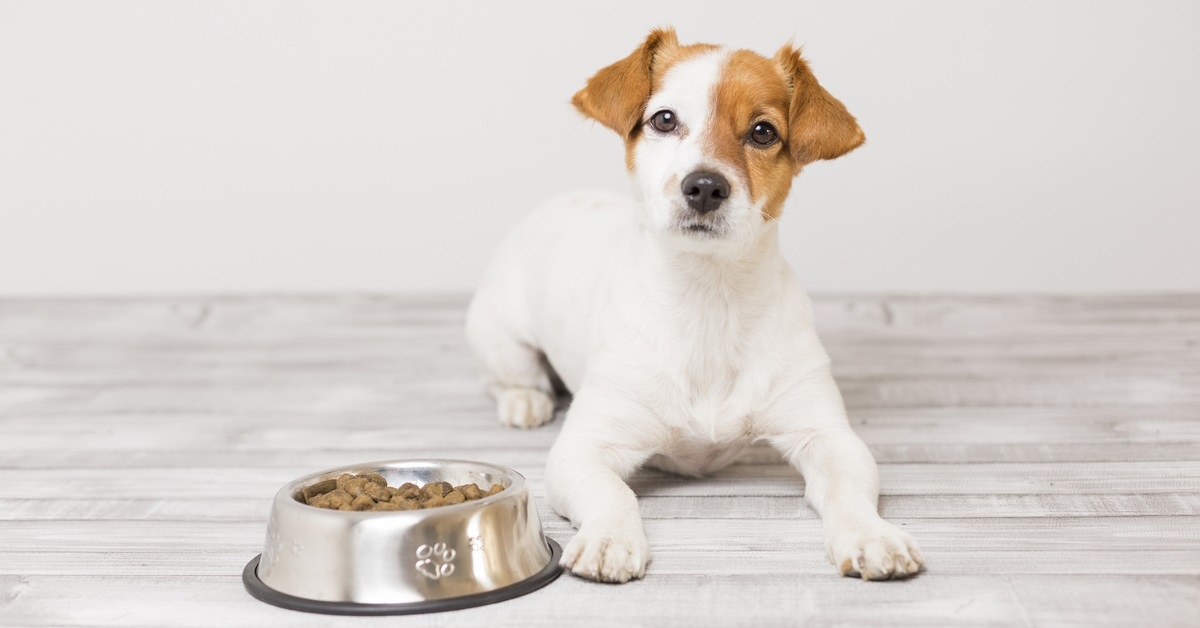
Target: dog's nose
704 191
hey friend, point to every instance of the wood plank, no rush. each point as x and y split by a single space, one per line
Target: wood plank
984 425
894 435
405 388
1068 546
806 560
718 599
245 509
744 480
652 507
1036 533
834 311
78 361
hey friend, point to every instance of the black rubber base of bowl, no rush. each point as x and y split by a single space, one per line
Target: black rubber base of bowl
542 578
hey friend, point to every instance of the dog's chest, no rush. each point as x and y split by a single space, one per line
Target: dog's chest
705 434
719 369
710 416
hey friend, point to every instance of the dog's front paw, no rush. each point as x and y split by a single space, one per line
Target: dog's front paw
608 554
523 407
874 551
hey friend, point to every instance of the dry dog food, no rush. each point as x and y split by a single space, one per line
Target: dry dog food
369 491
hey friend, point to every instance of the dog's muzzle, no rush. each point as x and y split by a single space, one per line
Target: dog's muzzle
705 191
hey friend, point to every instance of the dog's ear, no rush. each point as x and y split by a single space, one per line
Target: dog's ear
617 94
819 126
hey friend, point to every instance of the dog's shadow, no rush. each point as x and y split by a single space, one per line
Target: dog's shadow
757 473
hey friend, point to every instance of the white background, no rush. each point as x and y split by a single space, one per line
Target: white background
165 147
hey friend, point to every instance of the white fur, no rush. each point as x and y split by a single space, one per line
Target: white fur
680 348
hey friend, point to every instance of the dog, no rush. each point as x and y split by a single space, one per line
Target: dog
674 320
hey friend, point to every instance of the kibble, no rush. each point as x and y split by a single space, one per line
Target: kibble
369 491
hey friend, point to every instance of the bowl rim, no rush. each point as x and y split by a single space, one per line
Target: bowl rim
285 497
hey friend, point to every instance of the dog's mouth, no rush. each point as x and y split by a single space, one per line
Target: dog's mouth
698 228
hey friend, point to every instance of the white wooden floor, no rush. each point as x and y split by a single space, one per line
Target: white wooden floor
1045 452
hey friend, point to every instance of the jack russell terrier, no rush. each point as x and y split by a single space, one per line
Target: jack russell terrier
675 320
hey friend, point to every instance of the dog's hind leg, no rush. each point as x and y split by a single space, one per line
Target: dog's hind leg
516 371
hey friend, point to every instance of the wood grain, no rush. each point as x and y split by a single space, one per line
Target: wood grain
1044 450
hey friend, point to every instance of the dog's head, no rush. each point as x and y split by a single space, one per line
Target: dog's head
714 137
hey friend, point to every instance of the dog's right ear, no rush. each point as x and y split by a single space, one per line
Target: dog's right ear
616 95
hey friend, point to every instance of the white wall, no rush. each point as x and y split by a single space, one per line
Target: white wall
170 146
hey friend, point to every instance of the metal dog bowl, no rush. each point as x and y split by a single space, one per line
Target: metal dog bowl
410 561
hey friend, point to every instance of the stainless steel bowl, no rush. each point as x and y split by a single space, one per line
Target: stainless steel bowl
411 561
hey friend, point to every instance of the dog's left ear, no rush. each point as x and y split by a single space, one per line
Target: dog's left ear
819 126
616 95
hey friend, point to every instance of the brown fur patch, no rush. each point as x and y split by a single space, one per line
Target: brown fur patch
616 96
811 123
752 90
820 125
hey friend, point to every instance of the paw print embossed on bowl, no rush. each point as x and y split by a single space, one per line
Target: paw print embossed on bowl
435 561
405 561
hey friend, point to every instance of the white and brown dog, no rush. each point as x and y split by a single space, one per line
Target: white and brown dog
675 320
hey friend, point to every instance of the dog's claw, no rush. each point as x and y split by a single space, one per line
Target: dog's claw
879 551
608 556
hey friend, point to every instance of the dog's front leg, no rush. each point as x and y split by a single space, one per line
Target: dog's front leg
842 484
602 442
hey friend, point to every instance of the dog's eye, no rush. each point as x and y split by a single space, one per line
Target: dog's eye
664 121
763 134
